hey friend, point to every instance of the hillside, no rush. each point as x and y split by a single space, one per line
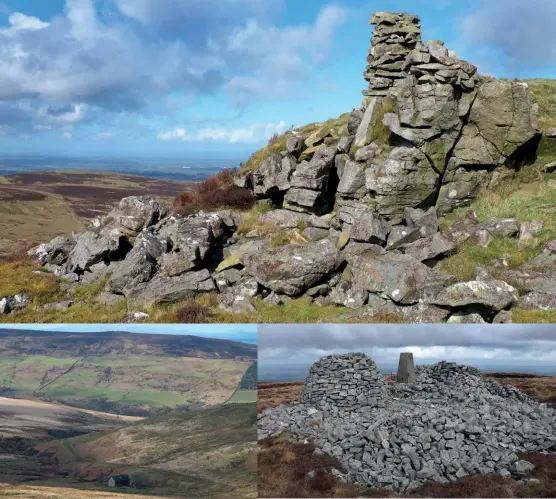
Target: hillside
121 372
26 423
42 205
34 420
206 453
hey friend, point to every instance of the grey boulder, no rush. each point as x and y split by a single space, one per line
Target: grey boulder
294 268
162 289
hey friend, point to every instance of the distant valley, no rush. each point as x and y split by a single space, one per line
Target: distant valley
40 205
178 414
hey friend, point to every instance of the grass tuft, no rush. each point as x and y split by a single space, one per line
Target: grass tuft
534 200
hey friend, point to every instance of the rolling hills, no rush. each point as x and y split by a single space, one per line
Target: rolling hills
121 372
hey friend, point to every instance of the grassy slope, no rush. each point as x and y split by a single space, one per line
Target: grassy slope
207 453
45 492
133 379
38 206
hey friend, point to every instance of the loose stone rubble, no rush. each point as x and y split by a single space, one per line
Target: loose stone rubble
364 201
448 424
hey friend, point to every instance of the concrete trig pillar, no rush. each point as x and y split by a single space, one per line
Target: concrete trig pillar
406 369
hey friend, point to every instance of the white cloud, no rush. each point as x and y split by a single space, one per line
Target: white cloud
67 135
280 56
108 63
253 133
19 21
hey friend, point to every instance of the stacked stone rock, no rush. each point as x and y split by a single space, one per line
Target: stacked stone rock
448 380
397 52
349 381
429 430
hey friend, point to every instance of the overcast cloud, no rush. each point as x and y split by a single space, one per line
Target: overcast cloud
482 346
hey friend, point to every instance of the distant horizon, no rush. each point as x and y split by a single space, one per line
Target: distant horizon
241 333
209 156
181 169
291 373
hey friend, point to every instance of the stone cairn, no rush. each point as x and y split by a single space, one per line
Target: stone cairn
349 381
459 383
397 52
450 423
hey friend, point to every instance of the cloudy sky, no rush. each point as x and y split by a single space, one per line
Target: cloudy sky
237 332
193 78
286 352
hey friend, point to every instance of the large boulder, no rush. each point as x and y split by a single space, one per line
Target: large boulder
139 265
56 252
405 179
490 295
138 212
400 278
164 290
193 240
504 115
273 176
294 268
103 241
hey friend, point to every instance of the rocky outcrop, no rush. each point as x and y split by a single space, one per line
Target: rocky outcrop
447 424
431 132
357 206
377 270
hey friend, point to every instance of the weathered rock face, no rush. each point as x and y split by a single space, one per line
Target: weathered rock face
448 423
431 132
293 269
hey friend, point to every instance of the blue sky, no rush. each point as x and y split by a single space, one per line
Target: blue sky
237 332
189 79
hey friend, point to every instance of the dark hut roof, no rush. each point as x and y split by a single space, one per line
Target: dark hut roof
120 478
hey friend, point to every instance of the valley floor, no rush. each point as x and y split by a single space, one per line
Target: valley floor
41 205
28 492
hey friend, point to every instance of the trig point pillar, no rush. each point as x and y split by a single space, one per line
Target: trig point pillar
406 368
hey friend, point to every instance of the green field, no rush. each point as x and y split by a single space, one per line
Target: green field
243 397
129 380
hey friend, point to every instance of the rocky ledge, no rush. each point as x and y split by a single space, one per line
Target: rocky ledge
149 256
449 424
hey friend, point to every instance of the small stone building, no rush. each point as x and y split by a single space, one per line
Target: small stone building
119 481
348 381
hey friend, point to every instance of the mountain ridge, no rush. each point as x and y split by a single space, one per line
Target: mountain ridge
97 343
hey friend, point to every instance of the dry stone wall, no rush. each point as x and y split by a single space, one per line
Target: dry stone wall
347 381
449 424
